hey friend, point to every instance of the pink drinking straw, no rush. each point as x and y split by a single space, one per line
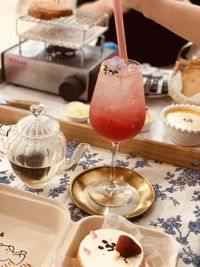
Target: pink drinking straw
119 24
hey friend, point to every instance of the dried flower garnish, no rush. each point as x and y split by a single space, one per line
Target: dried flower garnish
113 66
108 71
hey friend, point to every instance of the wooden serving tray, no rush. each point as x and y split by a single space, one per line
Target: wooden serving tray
146 148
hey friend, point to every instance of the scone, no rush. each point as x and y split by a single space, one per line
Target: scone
109 248
48 10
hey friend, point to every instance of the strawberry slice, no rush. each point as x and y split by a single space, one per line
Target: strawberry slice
127 247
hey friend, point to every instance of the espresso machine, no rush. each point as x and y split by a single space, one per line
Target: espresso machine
59 56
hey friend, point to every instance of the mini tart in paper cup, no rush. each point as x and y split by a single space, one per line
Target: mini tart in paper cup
184 84
182 124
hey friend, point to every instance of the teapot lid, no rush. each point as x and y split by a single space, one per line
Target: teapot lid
37 124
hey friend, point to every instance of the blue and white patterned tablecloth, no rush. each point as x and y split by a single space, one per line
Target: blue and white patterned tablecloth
176 210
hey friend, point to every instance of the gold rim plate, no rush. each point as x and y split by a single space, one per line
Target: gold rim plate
141 186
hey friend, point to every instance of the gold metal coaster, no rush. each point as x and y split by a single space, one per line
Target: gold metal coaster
141 186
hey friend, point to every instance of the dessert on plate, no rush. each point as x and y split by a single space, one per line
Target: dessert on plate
109 248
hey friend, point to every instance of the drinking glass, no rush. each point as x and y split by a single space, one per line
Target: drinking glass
117 113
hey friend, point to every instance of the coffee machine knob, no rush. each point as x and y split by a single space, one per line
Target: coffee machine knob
71 88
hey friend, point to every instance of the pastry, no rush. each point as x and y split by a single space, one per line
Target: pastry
48 10
191 79
109 248
184 85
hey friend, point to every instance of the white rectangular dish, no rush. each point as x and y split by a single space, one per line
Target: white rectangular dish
31 227
37 232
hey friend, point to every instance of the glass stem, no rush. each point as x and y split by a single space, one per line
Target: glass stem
115 148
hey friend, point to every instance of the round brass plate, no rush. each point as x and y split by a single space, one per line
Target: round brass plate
142 187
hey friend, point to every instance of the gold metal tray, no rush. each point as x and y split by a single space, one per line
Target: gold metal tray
141 186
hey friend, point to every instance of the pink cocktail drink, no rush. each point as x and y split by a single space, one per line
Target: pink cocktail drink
117 113
117 110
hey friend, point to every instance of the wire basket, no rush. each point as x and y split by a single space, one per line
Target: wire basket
75 31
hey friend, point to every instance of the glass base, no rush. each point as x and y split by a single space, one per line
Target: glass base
115 194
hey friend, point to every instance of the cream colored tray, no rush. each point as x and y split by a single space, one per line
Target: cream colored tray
38 232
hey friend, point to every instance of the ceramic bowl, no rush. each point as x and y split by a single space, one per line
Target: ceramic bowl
76 111
182 124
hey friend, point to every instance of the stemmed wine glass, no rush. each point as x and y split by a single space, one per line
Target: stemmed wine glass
117 113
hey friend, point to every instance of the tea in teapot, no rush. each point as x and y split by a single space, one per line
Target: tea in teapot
36 148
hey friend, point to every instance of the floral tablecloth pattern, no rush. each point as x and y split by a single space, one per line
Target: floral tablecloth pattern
176 210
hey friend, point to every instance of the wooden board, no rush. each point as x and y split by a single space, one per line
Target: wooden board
150 149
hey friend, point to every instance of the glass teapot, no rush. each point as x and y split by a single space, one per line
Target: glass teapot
36 148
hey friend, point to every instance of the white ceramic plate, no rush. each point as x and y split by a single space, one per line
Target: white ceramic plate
76 111
31 228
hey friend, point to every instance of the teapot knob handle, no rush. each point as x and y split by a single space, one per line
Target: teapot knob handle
37 110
